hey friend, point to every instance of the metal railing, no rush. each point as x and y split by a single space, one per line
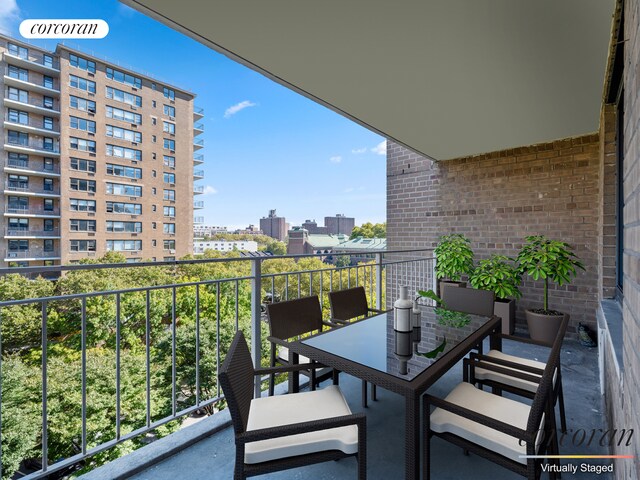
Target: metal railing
34 101
198 110
182 329
34 144
198 126
38 59
22 187
198 189
199 204
32 122
32 166
34 79
30 210
19 254
28 232
198 173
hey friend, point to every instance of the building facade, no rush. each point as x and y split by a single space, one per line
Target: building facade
199 246
312 227
201 231
274 226
339 224
96 158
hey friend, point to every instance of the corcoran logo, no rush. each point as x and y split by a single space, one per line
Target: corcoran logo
77 28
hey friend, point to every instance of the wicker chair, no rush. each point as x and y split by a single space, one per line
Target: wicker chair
499 429
468 300
291 319
347 305
287 431
499 371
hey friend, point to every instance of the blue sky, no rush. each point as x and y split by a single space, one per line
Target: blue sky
265 146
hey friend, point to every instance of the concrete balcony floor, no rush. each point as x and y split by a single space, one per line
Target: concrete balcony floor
213 456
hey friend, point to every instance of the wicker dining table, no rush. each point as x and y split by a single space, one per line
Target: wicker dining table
406 363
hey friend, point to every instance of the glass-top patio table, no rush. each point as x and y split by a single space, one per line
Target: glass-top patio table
404 363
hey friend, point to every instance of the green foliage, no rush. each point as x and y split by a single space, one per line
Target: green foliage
430 294
370 230
545 259
498 275
454 257
276 248
343 261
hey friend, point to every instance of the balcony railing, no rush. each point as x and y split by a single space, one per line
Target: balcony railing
198 189
32 166
198 220
37 254
32 122
26 232
181 331
31 210
34 80
53 107
198 205
33 144
198 173
198 159
36 58
26 188
198 111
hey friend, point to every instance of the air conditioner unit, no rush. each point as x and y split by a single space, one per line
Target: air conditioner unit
12 255
172 251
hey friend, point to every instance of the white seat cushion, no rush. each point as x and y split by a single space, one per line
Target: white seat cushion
502 409
268 412
484 374
283 353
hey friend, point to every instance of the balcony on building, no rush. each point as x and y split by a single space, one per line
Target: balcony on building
198 159
199 205
33 104
197 145
32 146
198 189
26 189
198 129
32 125
198 174
34 61
30 255
31 233
198 220
198 113
32 83
31 167
30 211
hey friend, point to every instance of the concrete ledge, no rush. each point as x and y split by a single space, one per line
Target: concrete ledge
147 456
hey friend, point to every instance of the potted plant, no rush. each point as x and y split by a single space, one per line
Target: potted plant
499 275
454 258
542 258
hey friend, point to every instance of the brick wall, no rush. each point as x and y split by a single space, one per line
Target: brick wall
607 203
497 199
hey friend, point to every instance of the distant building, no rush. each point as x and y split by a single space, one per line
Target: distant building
199 246
250 230
313 228
339 224
200 231
274 226
302 242
361 249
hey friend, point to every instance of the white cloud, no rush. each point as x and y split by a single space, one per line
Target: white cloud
233 109
336 159
381 148
9 14
209 190
349 190
359 151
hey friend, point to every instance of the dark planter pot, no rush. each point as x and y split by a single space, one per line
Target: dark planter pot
543 327
449 283
506 309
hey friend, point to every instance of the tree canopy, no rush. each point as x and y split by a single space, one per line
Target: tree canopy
370 230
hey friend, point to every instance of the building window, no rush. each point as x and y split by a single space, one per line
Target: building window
47 60
153 208
81 205
170 144
48 225
123 133
124 245
122 152
47 164
48 245
18 95
169 93
169 127
154 120
125 116
18 182
124 97
18 245
82 245
169 244
82 63
47 143
125 208
169 195
82 84
47 204
18 116
122 189
128 227
47 81
153 190
154 139
122 171
168 259
47 184
18 51
82 144
169 111
122 77
82 124
169 161
169 228
21 224
82 104
169 211
154 225
18 203
83 165
81 185
18 73
153 104
47 102
169 177
82 225
47 123
18 138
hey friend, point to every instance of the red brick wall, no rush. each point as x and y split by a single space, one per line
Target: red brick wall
497 199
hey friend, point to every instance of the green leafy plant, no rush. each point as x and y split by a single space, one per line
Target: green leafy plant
542 258
454 257
498 275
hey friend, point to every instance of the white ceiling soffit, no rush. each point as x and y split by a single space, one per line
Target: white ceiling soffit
446 78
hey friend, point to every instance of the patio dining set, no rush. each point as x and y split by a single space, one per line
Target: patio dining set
279 432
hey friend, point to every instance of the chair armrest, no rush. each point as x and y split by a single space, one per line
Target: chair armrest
477 417
358 419
530 341
338 322
474 358
278 341
287 368
506 371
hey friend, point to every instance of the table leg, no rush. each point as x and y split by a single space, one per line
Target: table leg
294 377
412 438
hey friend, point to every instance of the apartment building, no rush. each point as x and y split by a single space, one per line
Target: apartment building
96 158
